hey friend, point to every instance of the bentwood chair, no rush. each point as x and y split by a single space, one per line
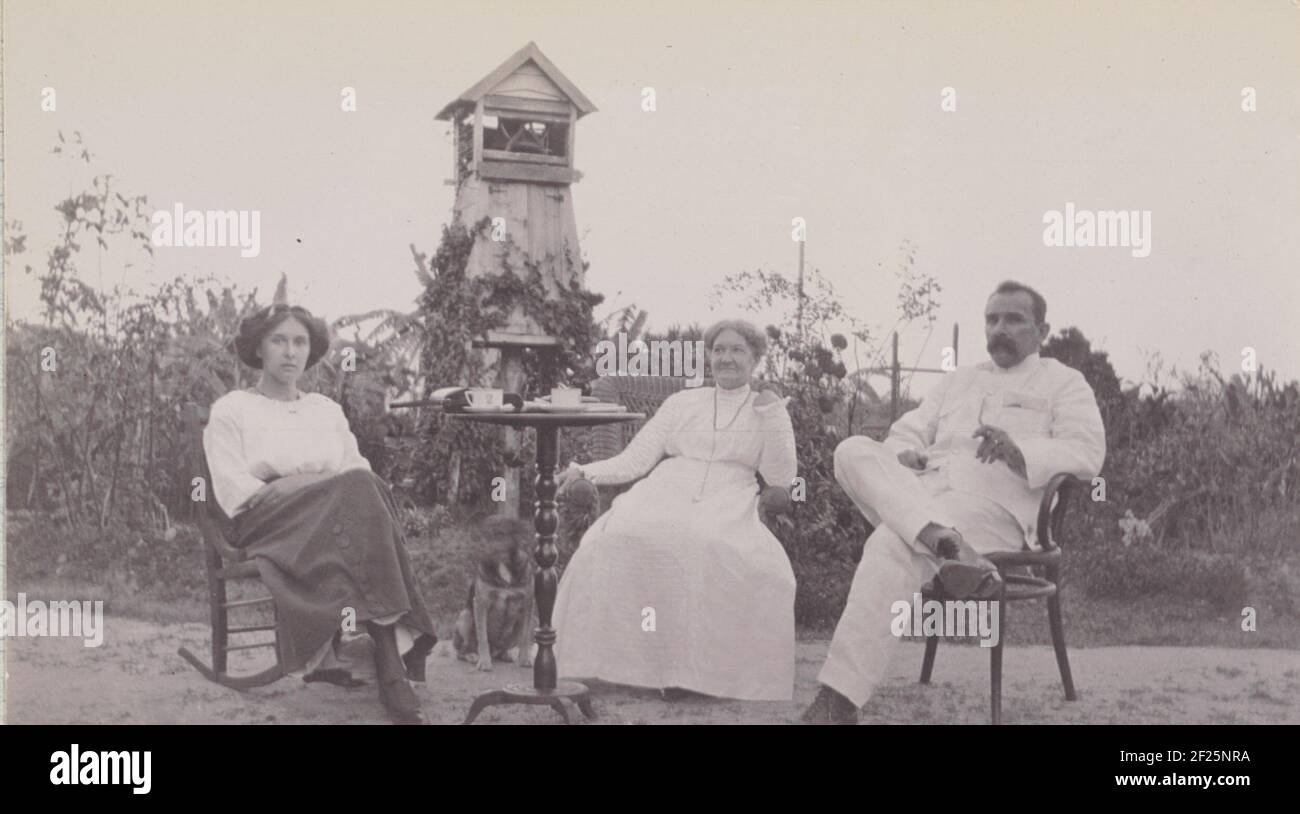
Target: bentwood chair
645 394
225 564
1036 575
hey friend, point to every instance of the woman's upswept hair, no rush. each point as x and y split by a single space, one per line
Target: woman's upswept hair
753 337
255 327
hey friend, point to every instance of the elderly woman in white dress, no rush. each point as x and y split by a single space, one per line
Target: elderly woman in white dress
321 526
679 585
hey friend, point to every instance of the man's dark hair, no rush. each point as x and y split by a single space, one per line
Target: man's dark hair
1040 304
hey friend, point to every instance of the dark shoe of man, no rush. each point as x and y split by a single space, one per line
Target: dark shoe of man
829 707
964 574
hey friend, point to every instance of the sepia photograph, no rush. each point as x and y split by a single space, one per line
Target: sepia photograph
752 362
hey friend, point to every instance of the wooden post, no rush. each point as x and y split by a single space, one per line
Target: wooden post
40 445
453 487
510 378
894 382
509 348
569 140
455 152
478 136
545 581
148 469
798 311
954 344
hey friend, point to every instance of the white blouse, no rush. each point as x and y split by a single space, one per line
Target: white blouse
251 439
760 438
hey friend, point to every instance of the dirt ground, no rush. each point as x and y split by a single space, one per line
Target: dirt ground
137 677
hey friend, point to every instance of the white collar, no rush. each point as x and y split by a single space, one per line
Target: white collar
1025 365
258 392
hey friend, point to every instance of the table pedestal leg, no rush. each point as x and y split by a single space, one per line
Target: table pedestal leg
546 689
524 694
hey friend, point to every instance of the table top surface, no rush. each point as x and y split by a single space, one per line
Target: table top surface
577 418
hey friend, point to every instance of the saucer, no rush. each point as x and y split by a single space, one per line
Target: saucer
543 407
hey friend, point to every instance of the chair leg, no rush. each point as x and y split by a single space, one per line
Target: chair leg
1058 643
995 668
220 618
220 623
927 664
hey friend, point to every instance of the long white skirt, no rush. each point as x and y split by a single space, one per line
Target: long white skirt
669 591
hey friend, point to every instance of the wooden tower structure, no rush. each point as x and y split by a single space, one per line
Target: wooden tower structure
513 164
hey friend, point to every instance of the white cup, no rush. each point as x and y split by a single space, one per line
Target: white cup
566 397
484 396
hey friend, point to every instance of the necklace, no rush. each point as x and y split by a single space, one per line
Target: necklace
713 443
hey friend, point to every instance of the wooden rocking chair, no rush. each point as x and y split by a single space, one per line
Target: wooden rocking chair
224 563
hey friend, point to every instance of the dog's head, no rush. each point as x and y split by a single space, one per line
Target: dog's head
503 551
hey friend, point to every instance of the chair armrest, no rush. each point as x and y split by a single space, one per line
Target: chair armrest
1051 510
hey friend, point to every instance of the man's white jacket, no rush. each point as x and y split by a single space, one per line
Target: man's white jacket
1048 409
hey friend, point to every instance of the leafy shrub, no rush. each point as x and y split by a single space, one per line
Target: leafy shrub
94 413
168 566
1211 467
806 359
1133 572
455 310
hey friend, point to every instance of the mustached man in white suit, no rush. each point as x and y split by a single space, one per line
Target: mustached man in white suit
960 476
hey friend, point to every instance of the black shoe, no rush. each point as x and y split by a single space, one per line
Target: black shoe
415 657
962 580
336 676
674 694
964 574
829 707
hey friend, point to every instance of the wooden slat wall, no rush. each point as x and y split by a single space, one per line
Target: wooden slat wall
529 82
540 222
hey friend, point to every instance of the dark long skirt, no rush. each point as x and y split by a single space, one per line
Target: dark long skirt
333 545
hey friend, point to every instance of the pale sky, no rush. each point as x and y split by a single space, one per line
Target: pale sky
765 112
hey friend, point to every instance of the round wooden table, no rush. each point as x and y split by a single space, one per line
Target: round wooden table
546 690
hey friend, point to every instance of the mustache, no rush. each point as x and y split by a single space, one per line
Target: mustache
1001 343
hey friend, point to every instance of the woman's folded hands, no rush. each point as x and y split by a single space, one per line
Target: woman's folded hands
775 501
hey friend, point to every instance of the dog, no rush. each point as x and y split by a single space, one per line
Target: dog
498 613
